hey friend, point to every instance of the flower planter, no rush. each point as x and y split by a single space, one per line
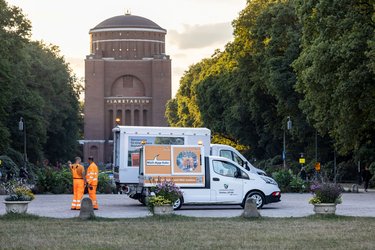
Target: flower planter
16 206
163 210
325 208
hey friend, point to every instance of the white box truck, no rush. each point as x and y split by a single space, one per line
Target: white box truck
128 140
203 180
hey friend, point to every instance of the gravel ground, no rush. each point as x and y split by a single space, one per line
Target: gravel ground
120 206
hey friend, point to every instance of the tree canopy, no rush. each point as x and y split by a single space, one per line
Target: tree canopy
37 84
312 61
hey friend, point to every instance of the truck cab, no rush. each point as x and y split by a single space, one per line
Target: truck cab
232 154
229 183
214 179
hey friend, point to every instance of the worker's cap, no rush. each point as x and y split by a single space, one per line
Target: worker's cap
91 158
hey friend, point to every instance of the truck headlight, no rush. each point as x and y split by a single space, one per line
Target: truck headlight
269 180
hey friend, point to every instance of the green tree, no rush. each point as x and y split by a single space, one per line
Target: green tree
55 83
335 73
36 84
14 32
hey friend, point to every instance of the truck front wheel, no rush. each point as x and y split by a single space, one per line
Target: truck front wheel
178 204
258 196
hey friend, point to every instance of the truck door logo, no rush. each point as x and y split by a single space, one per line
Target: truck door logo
226 186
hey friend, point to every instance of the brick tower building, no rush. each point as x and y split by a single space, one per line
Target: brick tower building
127 77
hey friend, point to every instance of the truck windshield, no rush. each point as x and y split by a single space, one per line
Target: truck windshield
232 156
238 159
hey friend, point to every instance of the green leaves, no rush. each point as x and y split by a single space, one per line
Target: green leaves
36 84
333 75
311 60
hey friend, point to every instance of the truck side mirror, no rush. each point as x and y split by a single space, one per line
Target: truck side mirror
247 166
237 174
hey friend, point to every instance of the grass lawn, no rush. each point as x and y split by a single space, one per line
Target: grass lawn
177 232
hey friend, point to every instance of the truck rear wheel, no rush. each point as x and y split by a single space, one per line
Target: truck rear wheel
178 204
142 200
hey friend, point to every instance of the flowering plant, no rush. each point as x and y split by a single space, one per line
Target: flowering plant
158 201
326 193
19 192
165 193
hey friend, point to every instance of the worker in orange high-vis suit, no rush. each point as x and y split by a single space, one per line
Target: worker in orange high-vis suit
92 181
78 172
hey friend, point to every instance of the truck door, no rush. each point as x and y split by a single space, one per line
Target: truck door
226 182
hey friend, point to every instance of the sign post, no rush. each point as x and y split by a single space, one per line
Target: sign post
302 159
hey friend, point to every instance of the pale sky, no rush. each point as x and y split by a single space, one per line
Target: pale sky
195 28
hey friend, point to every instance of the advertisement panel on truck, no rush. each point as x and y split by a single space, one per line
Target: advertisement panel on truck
134 142
180 164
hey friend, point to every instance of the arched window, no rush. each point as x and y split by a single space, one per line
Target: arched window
128 117
94 152
128 86
136 117
145 118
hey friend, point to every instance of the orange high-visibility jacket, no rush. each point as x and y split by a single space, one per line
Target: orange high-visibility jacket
92 174
77 170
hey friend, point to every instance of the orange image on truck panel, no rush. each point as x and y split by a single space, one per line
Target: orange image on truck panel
157 160
187 160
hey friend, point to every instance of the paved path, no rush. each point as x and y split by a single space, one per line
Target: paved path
120 206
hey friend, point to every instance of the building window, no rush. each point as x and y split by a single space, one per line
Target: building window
145 118
136 118
94 153
128 118
111 124
119 116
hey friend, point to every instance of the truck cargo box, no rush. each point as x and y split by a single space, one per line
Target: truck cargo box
182 164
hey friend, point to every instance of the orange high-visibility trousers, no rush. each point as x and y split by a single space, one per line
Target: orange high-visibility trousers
92 195
78 190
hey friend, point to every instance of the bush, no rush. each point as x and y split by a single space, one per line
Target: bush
372 171
297 185
277 160
64 182
51 180
9 169
12 167
283 178
347 171
105 184
16 156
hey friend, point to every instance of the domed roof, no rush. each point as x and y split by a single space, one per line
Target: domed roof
127 21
